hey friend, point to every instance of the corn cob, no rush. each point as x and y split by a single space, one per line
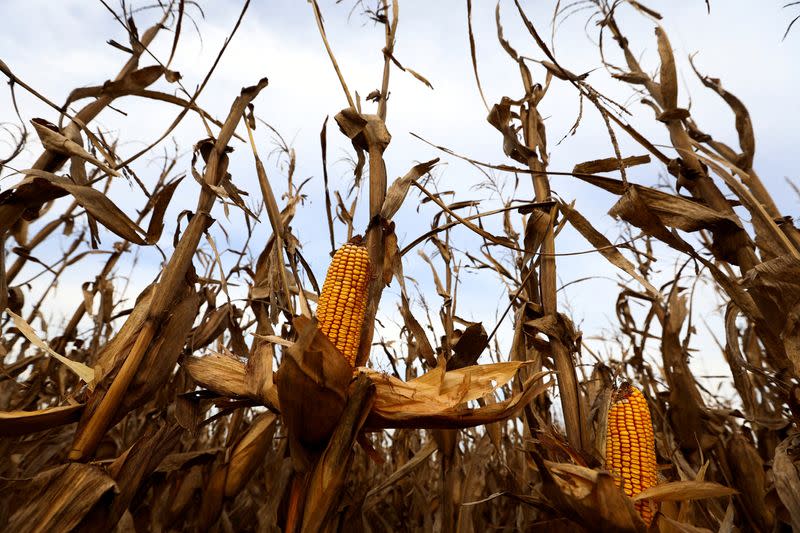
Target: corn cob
630 446
341 306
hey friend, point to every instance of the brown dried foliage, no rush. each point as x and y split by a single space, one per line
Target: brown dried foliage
189 411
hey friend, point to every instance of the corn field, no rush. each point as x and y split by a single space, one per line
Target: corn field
295 356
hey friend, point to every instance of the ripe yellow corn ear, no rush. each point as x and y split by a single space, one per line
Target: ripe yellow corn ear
630 446
341 306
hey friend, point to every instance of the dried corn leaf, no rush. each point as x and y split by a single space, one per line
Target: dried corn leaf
668 524
183 461
589 496
609 164
59 499
744 126
779 276
501 118
97 204
685 490
249 452
401 404
787 479
668 79
398 190
604 246
675 211
131 469
643 8
81 370
14 423
54 141
160 202
423 345
419 457
750 479
222 374
469 347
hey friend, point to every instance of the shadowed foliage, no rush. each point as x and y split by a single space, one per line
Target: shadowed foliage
221 399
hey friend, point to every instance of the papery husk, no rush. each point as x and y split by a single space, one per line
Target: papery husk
684 490
588 497
314 376
324 489
220 373
421 403
312 386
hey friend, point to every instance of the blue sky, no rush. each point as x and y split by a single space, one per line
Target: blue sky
57 46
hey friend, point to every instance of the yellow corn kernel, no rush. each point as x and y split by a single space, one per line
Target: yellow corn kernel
341 306
630 446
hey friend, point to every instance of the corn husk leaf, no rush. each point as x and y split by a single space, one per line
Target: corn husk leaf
440 389
431 400
597 503
220 373
312 388
685 490
400 404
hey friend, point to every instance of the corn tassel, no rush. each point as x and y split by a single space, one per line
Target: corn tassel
341 306
630 446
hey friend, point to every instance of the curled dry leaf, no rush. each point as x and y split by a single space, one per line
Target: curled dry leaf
97 204
469 347
398 190
673 210
668 79
744 126
501 118
423 346
53 140
364 131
